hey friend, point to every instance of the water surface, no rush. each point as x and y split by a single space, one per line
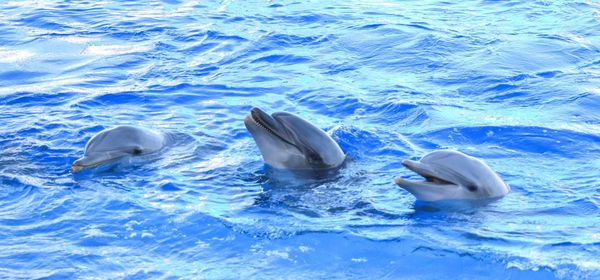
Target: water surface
515 83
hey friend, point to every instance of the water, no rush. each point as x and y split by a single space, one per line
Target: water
515 83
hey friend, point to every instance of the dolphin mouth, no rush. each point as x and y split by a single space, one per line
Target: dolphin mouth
266 122
431 177
75 167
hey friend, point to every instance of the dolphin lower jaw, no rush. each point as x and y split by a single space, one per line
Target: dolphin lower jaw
87 162
76 167
426 191
415 187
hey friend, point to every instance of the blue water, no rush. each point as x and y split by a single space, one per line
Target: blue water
516 83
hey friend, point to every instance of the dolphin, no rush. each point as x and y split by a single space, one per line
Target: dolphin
117 142
451 175
288 142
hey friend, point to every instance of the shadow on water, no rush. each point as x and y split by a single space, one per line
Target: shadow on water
286 187
465 206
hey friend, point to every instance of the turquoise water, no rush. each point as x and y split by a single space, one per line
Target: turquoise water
516 83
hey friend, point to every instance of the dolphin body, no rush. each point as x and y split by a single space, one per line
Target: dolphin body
286 141
118 142
452 175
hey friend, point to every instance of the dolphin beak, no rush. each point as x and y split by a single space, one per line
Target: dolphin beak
420 168
407 183
432 178
76 168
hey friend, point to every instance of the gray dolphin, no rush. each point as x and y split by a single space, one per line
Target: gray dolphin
118 142
288 142
452 175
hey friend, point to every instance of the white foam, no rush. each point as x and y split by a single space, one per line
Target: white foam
106 50
12 56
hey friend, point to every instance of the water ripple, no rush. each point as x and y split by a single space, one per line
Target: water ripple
516 86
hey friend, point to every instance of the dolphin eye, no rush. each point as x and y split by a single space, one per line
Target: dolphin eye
472 188
137 151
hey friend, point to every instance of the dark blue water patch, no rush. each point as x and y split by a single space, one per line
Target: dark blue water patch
503 97
124 61
502 3
88 130
234 19
261 79
537 140
145 274
340 106
501 88
404 61
397 113
361 265
435 44
384 14
169 187
123 32
376 214
119 98
481 238
371 26
17 77
583 206
211 90
43 21
334 69
418 25
306 19
548 74
29 99
14 190
519 77
282 59
471 78
164 47
290 40
191 36
360 144
575 246
222 37
521 89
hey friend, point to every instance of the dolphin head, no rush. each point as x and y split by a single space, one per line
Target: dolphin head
288 142
117 142
452 175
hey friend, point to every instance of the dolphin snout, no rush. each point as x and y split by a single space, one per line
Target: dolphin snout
77 165
418 167
398 180
76 168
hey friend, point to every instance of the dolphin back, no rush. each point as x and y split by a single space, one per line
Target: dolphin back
125 138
